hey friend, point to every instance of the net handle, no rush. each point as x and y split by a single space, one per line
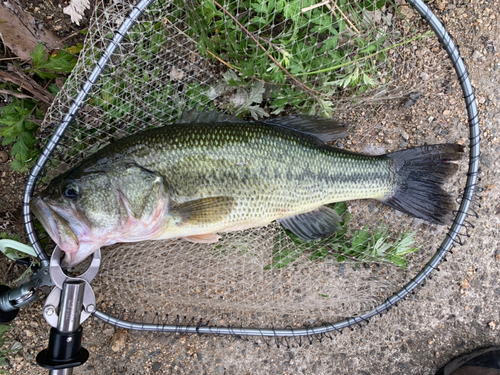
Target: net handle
450 239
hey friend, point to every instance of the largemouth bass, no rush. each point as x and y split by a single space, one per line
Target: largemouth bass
194 180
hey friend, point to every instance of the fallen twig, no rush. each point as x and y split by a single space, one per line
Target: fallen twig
16 94
26 82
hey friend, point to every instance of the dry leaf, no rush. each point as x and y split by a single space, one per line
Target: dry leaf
75 9
19 34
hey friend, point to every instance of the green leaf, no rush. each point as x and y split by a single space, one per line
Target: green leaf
50 67
256 93
17 165
38 55
398 261
360 238
54 89
76 49
17 129
371 5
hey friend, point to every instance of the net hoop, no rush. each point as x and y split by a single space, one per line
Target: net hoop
452 237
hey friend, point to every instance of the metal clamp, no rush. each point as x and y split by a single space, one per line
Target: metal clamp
58 277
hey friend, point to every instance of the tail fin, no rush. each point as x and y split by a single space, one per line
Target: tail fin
421 172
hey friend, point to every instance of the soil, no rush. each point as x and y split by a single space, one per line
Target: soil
455 313
51 13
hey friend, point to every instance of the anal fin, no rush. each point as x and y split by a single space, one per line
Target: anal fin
203 238
313 225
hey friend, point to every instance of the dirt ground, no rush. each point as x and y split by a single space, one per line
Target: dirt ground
455 313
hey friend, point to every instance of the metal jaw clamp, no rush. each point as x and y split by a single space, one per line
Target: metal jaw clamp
68 305
59 278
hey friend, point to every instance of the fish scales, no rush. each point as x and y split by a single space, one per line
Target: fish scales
270 171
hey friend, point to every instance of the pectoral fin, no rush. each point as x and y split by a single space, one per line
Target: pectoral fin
313 225
205 210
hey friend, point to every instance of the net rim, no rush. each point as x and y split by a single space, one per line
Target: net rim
452 237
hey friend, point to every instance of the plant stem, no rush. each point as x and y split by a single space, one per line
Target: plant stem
335 67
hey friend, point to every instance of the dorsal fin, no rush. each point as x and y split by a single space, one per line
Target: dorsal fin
326 129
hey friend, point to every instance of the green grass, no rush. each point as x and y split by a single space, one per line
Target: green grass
278 41
364 245
18 119
269 42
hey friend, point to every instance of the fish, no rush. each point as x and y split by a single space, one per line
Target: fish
210 174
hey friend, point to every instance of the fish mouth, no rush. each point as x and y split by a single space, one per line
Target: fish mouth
69 234
58 228
43 213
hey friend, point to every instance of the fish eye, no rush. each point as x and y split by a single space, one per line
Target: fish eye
70 191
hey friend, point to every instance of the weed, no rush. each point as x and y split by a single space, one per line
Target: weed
363 246
18 119
48 66
279 39
17 128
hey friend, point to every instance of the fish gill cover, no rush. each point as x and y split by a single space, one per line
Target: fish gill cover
357 61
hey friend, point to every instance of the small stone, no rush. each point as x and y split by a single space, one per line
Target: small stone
4 156
486 160
492 325
477 55
156 366
108 332
119 340
405 135
176 74
412 99
406 11
341 270
446 113
16 345
465 284
440 4
28 333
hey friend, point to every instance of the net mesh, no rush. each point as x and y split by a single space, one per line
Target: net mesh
355 60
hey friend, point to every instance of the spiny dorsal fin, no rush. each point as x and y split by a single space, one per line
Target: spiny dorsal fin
326 129
204 210
313 225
